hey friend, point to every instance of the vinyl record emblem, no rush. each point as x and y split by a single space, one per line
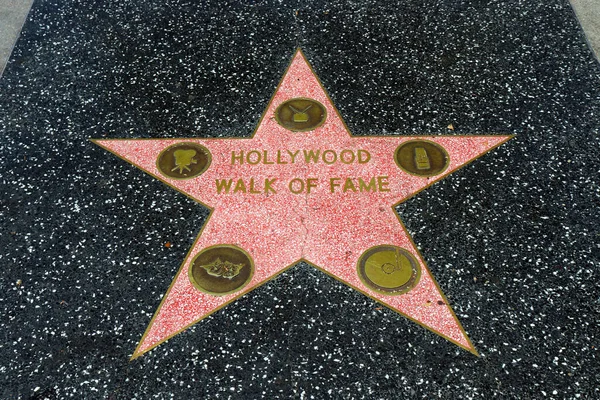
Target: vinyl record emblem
389 270
422 158
221 269
300 114
184 160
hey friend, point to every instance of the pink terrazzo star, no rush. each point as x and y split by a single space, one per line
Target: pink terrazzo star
329 228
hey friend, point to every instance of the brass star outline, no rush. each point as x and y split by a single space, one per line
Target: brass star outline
183 306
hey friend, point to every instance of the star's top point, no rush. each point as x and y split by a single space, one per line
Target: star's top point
300 85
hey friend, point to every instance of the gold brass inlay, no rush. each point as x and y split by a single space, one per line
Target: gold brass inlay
389 269
225 269
301 114
221 269
422 158
183 160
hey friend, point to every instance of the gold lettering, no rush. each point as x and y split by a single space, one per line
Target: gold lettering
291 186
331 161
269 185
333 184
265 161
310 184
239 158
382 182
363 156
240 186
310 154
329 156
293 155
348 185
347 161
279 160
252 188
258 157
223 185
371 187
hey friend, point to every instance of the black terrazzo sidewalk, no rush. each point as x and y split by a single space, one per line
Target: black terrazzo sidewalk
513 239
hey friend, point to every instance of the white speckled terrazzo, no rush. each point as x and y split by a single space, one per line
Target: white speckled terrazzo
91 243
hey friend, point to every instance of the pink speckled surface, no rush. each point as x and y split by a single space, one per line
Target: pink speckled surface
329 230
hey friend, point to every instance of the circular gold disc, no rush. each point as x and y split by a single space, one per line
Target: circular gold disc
221 269
422 157
301 114
389 269
183 160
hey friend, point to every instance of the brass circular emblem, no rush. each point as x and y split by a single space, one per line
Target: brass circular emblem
389 269
422 157
183 160
221 269
301 114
